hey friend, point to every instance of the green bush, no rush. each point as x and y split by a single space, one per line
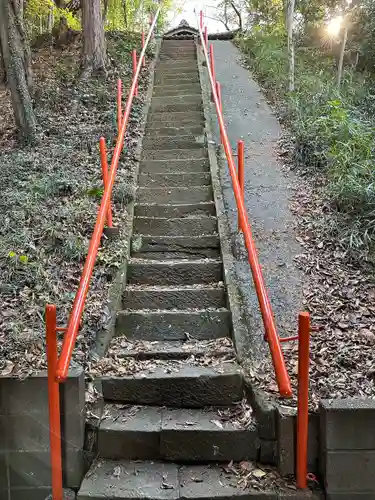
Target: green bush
334 129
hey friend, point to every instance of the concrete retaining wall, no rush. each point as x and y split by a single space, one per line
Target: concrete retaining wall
24 435
341 447
347 444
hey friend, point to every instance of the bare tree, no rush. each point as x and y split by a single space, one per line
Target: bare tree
94 47
16 58
290 18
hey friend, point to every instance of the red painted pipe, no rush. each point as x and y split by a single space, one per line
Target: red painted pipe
143 44
201 19
303 398
218 92
54 404
278 361
84 283
119 104
212 66
134 53
241 174
104 163
206 36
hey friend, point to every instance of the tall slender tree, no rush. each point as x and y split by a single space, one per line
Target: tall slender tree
290 19
94 46
16 58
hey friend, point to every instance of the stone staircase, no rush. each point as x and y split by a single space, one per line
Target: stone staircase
166 428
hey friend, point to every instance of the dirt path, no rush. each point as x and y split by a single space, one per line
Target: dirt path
267 191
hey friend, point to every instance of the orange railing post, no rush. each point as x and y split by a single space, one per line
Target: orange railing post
54 404
119 104
241 174
201 19
143 44
104 163
218 92
206 36
134 70
281 373
212 66
303 397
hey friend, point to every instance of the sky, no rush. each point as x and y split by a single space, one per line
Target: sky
187 7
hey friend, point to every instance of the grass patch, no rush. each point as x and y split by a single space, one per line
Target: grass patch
333 129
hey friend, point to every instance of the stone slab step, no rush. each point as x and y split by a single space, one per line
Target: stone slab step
193 226
172 166
163 119
186 435
177 384
173 154
176 247
190 130
174 142
190 78
179 70
173 350
175 179
175 107
145 324
175 195
172 297
127 480
151 272
161 90
161 102
175 211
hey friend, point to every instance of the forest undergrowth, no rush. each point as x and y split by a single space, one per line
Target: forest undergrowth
51 193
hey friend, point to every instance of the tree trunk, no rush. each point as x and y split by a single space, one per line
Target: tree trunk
238 14
94 47
105 12
16 60
290 17
342 52
51 19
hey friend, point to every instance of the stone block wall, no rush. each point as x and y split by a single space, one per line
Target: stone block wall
24 435
347 448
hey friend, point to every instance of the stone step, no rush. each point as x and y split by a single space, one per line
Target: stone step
177 67
157 119
174 272
160 102
190 130
174 79
174 142
177 384
218 350
145 324
176 247
161 90
176 179
172 297
175 58
158 226
175 211
186 435
175 195
176 107
171 166
126 480
163 74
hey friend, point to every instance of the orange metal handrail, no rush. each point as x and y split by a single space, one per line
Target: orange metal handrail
84 284
282 377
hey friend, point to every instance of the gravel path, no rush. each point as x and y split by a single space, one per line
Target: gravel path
267 193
